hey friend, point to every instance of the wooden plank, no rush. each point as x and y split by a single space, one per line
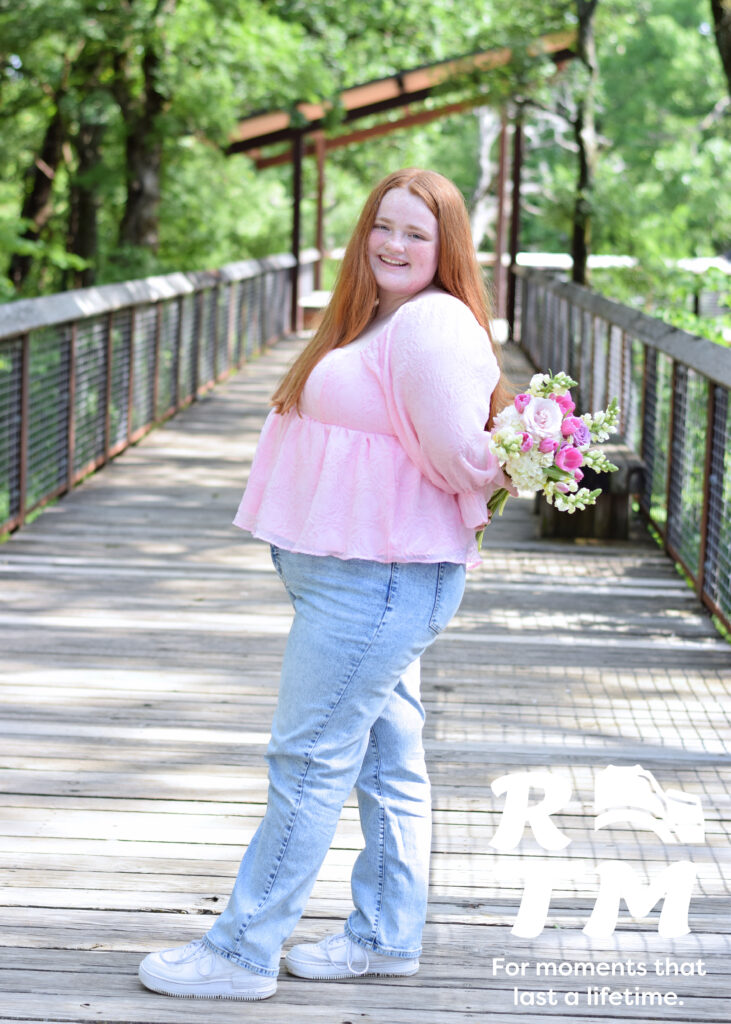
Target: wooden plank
141 640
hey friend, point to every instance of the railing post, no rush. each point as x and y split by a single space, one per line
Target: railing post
678 392
178 356
712 521
649 396
24 425
71 428
131 375
108 388
156 362
196 342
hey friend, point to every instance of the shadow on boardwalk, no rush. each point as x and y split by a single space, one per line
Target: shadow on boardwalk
141 637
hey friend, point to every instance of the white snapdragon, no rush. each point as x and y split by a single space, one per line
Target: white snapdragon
538 383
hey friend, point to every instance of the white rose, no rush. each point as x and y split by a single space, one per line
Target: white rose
542 418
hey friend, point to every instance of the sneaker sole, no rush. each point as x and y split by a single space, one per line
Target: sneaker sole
313 974
183 992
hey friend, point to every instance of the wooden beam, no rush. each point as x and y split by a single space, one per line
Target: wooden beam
408 86
377 131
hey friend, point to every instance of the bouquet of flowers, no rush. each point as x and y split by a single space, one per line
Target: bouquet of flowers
542 445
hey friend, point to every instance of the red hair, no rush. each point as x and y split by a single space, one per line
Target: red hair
354 299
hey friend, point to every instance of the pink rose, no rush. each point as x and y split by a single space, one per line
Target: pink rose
542 418
520 402
568 458
565 403
527 443
547 445
571 425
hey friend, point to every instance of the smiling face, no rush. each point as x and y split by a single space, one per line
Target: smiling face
403 248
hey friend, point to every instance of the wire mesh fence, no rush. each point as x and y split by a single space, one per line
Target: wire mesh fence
673 389
85 373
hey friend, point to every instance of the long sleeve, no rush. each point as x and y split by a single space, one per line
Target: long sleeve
389 459
439 373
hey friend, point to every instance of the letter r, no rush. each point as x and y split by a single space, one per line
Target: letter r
517 813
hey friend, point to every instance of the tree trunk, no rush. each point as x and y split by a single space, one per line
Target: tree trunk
721 10
84 202
143 152
143 156
585 135
37 206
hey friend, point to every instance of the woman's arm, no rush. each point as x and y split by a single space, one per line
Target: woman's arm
439 375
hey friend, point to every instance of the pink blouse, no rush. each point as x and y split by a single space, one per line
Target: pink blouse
388 460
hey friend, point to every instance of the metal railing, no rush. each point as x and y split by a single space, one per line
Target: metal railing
673 388
85 373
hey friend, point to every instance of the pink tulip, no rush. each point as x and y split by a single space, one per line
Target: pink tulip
547 445
578 476
568 458
521 401
527 443
565 402
570 425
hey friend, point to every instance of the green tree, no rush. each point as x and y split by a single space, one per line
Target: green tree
721 13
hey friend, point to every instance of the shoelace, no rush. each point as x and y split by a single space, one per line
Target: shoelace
186 953
349 961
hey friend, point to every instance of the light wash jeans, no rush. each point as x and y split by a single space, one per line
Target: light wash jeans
349 714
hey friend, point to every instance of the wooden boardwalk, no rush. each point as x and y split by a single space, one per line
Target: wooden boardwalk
141 636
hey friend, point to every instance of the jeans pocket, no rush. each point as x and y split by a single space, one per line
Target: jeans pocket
448 595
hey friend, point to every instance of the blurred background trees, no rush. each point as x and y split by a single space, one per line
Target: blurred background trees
116 115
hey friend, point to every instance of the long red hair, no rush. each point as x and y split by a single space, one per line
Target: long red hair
354 299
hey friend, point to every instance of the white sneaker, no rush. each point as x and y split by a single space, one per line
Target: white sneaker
195 970
338 958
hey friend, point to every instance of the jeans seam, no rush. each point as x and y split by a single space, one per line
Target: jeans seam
437 598
381 839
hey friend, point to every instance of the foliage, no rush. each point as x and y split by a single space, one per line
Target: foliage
664 165
100 64
669 292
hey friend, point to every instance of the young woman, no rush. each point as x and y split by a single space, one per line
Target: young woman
370 479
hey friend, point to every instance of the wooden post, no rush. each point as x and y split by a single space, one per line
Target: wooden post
499 283
298 145
515 215
319 225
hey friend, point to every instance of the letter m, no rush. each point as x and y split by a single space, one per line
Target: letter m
617 879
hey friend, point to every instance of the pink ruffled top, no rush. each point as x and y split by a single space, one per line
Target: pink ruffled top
388 460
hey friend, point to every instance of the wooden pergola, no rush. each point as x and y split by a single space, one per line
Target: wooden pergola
305 132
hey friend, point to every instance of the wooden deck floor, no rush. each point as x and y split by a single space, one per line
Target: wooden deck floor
141 636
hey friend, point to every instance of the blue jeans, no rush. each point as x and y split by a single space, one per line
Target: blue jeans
349 714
